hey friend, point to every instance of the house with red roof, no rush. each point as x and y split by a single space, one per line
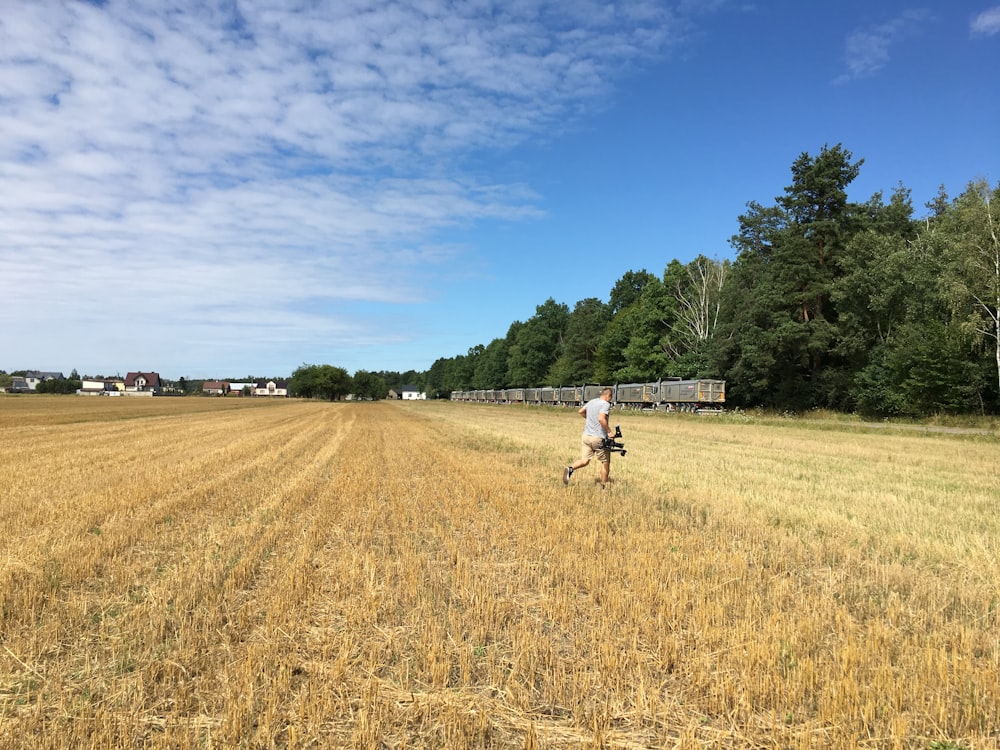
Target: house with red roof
215 387
143 382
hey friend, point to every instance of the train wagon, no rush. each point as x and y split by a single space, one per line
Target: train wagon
638 395
571 395
628 395
692 395
650 395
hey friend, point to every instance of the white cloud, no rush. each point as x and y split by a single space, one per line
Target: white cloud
192 167
867 51
986 23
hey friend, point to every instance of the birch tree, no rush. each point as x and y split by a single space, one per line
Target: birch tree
975 280
697 289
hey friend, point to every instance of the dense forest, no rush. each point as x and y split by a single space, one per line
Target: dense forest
858 307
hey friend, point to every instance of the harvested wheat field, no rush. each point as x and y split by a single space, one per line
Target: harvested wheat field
210 573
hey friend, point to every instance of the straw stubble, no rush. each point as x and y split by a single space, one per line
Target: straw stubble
297 574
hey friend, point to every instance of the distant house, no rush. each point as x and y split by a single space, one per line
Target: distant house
18 384
33 377
143 382
215 388
242 389
412 393
272 388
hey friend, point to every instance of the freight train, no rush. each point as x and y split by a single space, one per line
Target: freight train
668 394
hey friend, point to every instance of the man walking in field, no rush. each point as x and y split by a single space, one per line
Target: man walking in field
595 431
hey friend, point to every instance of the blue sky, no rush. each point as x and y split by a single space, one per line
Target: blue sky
217 189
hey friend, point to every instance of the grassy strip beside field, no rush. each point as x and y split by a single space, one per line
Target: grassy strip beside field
299 574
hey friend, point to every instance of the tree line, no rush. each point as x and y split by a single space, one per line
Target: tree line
828 303
333 383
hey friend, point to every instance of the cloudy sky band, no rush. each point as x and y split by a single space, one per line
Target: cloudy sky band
214 163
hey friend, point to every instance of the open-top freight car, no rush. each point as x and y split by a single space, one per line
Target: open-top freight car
637 395
673 394
571 395
693 395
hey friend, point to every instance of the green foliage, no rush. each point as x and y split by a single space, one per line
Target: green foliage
829 304
649 320
59 385
628 289
609 357
537 345
435 378
972 284
584 328
396 380
781 328
320 381
917 309
932 372
491 366
369 385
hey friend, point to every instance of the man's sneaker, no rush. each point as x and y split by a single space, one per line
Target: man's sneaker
567 473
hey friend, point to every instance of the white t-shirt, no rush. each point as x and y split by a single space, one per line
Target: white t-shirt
595 407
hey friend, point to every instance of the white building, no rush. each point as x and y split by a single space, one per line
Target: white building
106 387
272 388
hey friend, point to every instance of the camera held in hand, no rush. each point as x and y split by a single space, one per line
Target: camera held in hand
612 444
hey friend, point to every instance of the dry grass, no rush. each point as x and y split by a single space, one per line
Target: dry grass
196 573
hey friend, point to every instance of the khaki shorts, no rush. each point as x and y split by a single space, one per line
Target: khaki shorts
591 447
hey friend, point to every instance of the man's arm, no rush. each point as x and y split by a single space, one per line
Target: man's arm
583 412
